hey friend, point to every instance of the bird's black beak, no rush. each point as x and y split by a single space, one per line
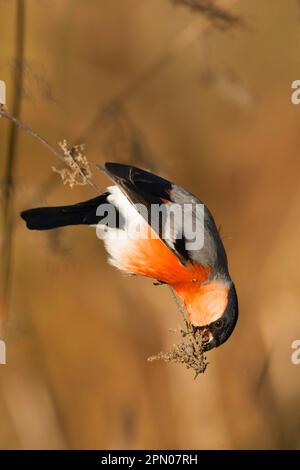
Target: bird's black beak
210 344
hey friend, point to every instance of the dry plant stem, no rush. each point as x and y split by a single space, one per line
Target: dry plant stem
8 187
178 303
190 351
4 113
211 10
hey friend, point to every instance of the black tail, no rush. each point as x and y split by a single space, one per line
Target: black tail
44 218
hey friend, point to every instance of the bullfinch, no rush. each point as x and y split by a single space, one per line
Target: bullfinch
184 251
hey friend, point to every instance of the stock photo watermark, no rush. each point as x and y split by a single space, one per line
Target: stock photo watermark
169 222
2 352
295 356
295 96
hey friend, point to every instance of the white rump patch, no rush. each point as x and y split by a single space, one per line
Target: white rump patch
120 242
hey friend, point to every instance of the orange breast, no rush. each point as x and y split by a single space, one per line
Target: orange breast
152 258
204 301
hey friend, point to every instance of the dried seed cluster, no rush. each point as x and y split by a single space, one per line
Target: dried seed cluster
190 351
77 171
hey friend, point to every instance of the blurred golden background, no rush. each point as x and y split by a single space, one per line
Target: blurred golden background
203 98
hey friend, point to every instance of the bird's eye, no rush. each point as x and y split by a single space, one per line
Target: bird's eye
219 323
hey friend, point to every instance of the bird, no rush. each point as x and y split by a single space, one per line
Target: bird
197 274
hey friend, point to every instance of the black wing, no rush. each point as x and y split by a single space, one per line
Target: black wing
143 187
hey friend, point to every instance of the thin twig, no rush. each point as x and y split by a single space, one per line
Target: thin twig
4 113
220 16
178 303
8 186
